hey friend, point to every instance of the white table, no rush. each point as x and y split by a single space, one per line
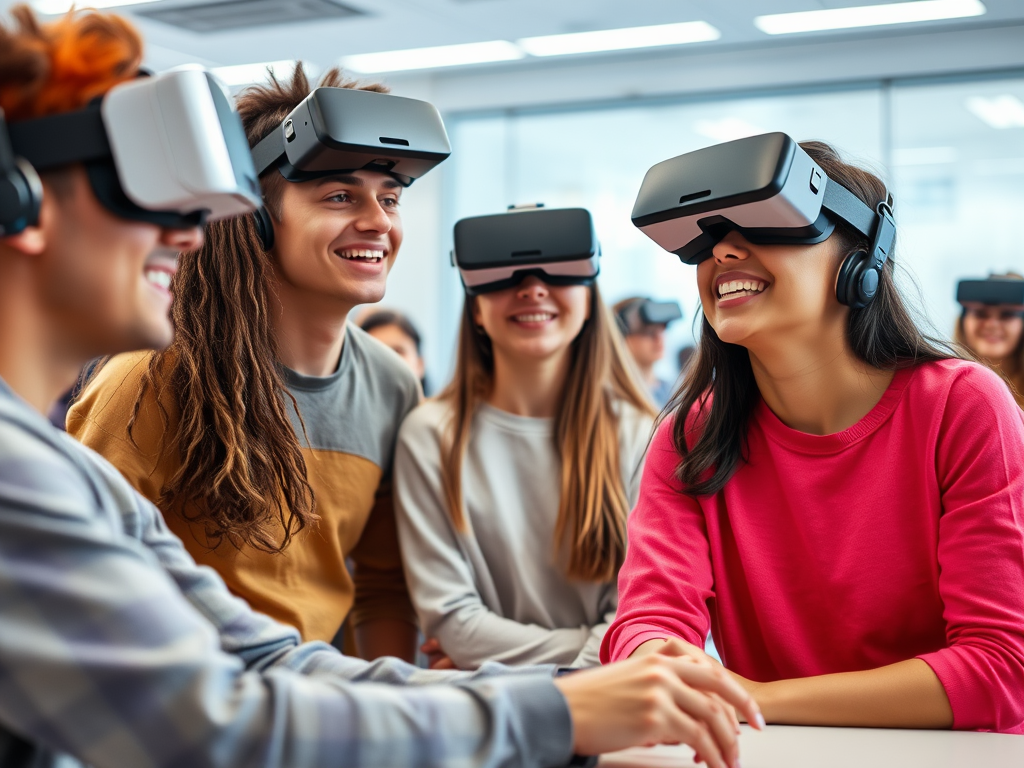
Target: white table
784 746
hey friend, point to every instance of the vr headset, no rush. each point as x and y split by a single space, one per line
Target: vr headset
991 291
770 191
558 245
168 150
634 316
341 130
338 130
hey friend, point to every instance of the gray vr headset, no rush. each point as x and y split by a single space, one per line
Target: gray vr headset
341 130
167 149
992 291
337 130
635 315
558 245
768 189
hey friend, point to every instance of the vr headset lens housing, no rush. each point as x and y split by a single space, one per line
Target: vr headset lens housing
337 130
168 149
994 291
766 187
558 245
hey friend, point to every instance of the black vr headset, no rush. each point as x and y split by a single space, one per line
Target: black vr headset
636 314
167 149
768 189
341 130
558 245
992 291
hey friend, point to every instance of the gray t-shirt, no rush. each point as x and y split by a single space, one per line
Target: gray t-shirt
498 591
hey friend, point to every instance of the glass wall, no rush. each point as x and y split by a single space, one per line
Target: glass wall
958 180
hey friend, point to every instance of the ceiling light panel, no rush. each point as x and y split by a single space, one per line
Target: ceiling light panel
1001 112
430 58
868 16
54 7
244 74
620 39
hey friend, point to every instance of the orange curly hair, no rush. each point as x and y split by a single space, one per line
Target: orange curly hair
60 66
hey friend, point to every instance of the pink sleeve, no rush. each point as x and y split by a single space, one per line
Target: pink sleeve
980 466
665 581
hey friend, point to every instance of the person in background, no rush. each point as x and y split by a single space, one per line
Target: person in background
995 332
395 330
266 432
117 649
513 486
642 322
835 495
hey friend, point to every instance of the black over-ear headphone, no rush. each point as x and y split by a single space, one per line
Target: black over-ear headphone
264 227
21 191
861 271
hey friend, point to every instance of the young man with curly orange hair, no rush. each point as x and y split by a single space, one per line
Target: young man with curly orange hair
115 648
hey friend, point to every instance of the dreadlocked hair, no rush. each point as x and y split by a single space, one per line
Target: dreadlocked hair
242 474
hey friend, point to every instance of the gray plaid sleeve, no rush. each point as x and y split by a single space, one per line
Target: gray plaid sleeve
117 649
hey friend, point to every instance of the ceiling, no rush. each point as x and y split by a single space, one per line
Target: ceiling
365 26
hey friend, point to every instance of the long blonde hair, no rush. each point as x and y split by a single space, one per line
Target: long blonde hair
1013 369
592 511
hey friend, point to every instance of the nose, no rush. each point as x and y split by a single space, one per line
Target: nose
182 239
532 288
373 218
732 247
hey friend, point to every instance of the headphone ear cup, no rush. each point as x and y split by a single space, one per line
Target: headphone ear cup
858 281
21 195
264 227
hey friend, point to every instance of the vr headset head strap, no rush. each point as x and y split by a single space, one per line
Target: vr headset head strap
268 151
878 225
56 140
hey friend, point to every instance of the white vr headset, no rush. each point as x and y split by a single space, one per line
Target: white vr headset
558 245
168 149
772 192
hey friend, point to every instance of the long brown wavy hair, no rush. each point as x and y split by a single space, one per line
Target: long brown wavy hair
242 474
720 380
1013 369
592 511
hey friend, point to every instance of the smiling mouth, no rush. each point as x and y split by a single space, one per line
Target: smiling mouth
369 256
533 317
159 277
734 289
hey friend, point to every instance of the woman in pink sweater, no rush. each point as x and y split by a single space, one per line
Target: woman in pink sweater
842 507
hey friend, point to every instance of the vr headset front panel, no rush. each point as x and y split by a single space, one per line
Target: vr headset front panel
991 292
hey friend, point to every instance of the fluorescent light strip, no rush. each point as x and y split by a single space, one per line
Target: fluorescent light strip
429 58
868 16
1001 112
244 74
620 39
924 156
726 129
55 7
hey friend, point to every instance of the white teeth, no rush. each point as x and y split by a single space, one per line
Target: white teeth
159 278
362 254
740 286
537 317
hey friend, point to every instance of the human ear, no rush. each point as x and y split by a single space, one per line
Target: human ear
29 242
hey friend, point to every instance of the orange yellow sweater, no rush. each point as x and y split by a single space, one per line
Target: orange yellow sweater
351 421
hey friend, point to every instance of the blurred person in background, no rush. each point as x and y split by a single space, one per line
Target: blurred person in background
995 333
396 331
643 322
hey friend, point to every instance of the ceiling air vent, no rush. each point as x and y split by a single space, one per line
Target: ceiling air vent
230 15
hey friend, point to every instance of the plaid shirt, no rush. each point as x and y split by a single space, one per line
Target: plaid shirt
116 649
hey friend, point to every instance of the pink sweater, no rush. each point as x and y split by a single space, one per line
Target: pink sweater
901 537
